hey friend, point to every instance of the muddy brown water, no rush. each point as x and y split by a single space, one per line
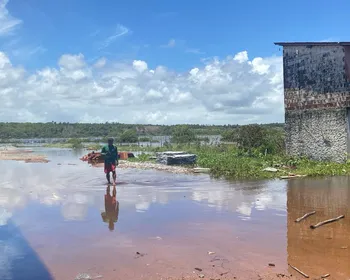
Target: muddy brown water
54 224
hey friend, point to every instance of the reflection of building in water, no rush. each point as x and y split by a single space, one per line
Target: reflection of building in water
327 248
111 213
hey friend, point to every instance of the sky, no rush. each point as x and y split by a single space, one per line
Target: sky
155 61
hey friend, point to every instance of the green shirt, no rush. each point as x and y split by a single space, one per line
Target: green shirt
110 153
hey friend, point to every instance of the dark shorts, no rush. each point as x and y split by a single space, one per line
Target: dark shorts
109 167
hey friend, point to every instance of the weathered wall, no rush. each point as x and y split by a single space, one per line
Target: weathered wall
317 93
317 134
315 77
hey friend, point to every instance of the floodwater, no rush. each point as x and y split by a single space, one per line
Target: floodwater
58 221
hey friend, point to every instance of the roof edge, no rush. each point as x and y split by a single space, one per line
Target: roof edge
285 44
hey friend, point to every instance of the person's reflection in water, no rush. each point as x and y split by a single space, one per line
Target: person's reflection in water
111 213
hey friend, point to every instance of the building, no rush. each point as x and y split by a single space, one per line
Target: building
317 99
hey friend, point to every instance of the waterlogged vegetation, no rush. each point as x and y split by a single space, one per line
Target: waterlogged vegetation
243 153
252 149
231 162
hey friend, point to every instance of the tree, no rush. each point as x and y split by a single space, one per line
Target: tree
257 137
183 134
128 136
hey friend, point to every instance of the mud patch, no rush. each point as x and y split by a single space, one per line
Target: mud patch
12 153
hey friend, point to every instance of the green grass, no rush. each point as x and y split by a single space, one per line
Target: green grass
227 161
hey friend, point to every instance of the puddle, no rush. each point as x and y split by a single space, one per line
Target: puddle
55 224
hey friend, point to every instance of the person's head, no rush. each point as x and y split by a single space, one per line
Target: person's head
111 225
110 141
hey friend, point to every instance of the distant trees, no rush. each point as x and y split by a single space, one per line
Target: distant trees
82 130
183 134
104 130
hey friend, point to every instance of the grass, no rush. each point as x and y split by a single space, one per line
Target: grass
227 161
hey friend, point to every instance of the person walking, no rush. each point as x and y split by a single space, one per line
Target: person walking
110 154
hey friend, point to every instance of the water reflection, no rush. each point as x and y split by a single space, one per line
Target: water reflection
111 213
76 188
326 249
18 259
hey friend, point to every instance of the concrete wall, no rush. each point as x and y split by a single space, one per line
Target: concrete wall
317 93
319 134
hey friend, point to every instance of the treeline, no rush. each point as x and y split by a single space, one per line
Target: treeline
85 130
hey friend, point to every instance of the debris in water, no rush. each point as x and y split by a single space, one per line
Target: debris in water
270 169
290 176
302 273
83 276
139 255
201 275
327 222
344 247
199 269
211 253
272 264
305 216
325 276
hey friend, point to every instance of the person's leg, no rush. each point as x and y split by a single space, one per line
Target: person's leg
114 174
108 177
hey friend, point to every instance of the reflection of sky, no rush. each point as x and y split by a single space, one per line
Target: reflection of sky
75 188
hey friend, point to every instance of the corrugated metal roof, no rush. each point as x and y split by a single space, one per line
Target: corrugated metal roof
285 44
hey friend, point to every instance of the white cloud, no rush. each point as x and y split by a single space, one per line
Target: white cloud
100 63
140 65
7 22
231 90
120 31
241 57
170 44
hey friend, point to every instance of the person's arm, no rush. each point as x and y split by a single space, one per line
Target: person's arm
103 151
116 156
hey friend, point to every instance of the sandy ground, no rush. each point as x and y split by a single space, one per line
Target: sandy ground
12 153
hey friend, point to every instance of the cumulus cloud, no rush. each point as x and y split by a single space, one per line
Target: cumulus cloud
7 22
231 90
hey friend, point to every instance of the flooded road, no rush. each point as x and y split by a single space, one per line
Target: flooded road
58 220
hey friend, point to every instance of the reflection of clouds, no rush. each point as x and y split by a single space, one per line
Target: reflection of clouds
142 206
4 217
245 209
75 206
260 196
76 188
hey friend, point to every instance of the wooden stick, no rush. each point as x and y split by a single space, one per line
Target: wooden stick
305 216
327 222
302 273
325 276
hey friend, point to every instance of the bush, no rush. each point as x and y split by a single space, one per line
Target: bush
256 137
75 143
129 136
183 134
144 139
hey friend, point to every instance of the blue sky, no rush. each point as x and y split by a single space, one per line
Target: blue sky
205 28
179 35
